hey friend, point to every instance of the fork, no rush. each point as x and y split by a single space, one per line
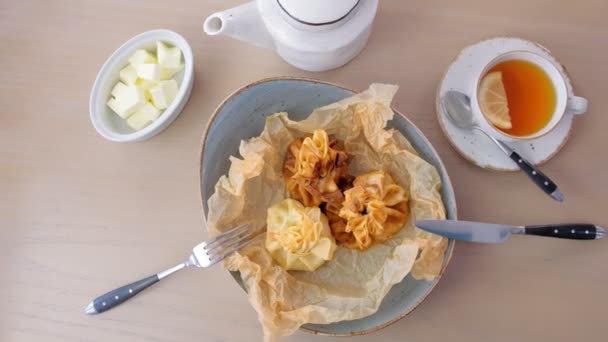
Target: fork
205 254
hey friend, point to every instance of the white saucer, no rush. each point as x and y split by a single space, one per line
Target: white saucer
474 146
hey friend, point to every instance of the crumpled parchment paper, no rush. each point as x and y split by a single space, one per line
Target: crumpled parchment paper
353 284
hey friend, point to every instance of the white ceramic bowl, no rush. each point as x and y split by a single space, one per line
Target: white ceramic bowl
113 127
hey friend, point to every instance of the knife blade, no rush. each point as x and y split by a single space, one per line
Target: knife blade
497 233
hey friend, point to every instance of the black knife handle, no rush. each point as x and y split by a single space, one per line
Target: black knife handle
539 178
576 231
118 296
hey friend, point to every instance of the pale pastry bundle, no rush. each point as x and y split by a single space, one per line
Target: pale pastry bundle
298 237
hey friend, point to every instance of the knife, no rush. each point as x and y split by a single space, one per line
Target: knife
497 233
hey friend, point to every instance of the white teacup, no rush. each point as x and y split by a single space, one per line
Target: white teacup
565 104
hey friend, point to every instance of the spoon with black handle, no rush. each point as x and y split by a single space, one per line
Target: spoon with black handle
458 107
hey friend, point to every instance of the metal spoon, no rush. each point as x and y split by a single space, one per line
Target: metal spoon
457 106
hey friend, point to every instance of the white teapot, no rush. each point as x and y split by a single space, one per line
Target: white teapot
313 35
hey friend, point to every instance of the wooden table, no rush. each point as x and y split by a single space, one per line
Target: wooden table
80 215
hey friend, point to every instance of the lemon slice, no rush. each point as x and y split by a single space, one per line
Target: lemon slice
493 100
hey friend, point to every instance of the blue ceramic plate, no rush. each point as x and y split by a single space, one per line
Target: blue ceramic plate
242 115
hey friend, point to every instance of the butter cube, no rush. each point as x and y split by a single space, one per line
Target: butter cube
149 72
118 88
163 94
130 100
142 56
116 108
128 75
138 121
145 86
168 57
149 111
167 73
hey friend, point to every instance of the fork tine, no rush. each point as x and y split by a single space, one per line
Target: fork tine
226 245
235 249
227 234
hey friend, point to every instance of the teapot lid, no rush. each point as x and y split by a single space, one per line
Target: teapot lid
318 12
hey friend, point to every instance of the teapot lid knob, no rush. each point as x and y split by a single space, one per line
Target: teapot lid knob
318 12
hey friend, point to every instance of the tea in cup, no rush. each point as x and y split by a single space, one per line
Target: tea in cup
520 95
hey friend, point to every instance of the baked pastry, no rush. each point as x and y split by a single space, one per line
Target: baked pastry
373 211
313 168
298 237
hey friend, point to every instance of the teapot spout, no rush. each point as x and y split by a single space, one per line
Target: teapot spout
243 23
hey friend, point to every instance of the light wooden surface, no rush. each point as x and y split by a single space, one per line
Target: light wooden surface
80 215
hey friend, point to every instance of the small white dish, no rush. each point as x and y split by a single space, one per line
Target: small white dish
473 145
111 126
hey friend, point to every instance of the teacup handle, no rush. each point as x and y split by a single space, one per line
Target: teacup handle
577 105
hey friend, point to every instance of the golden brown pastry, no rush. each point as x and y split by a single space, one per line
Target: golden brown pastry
338 224
373 211
313 168
298 238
